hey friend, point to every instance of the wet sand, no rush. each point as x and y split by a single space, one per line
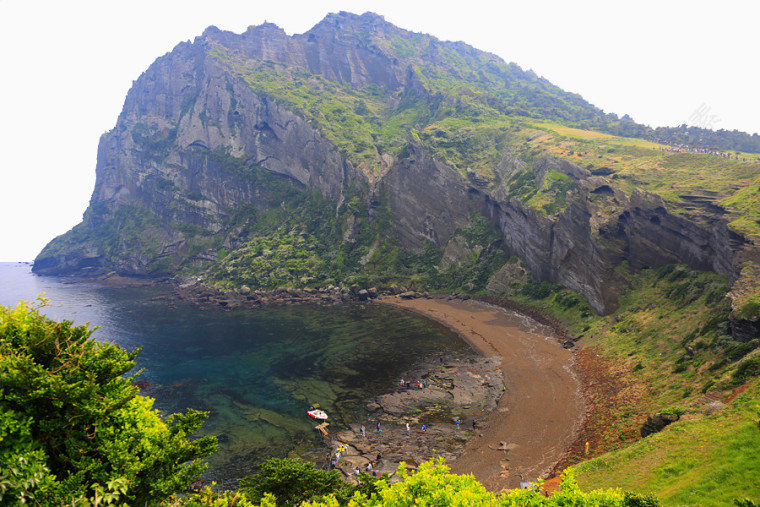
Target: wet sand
542 409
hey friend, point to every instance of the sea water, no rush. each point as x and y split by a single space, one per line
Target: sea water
256 372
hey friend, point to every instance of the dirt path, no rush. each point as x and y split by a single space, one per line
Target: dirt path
542 409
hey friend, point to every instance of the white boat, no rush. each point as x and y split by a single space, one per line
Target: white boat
317 414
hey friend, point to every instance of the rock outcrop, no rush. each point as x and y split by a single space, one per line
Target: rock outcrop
195 136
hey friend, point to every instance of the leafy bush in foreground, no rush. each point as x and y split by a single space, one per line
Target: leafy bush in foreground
73 431
431 484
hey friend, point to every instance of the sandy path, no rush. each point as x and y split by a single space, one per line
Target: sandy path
542 410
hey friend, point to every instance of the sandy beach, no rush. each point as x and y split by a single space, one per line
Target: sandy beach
542 409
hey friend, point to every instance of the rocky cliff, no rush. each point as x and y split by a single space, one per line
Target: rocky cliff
418 132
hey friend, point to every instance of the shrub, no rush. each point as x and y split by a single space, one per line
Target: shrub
747 369
72 427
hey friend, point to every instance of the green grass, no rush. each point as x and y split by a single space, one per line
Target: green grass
637 163
700 460
664 312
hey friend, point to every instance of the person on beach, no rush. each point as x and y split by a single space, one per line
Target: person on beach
424 428
363 431
356 472
458 423
474 424
378 426
369 467
408 430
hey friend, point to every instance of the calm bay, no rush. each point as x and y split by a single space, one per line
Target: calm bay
256 371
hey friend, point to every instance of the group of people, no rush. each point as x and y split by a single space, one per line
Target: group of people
343 448
421 384
363 429
685 148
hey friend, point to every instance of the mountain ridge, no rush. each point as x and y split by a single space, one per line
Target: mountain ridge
350 109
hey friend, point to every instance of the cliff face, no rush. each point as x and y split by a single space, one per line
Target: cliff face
580 248
196 134
183 153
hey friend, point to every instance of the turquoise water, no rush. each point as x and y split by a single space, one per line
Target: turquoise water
256 371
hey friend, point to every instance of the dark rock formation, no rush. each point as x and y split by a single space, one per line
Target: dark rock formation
459 389
655 423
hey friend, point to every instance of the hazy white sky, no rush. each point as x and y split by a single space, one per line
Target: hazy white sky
67 66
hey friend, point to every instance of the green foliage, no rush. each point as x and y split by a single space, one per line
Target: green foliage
301 242
300 483
433 484
747 369
70 423
750 310
207 497
131 232
292 482
721 139
538 290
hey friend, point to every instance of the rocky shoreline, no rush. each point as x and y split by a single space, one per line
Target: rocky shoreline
466 388
438 394
202 294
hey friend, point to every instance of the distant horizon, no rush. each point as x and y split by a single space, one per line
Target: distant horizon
661 64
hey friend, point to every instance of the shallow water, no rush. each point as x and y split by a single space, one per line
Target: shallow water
256 371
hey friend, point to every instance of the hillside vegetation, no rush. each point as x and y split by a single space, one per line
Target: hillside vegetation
666 350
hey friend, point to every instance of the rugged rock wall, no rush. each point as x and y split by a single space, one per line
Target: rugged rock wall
191 131
580 247
169 155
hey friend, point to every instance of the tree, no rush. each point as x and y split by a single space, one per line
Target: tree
73 428
293 481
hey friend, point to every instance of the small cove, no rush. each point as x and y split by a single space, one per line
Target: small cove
255 371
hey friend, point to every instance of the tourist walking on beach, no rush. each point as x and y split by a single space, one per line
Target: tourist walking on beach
363 431
378 426
408 431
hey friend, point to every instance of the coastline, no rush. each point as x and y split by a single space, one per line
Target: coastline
542 410
524 433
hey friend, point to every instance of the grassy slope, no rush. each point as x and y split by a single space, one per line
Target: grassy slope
635 163
635 363
700 460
